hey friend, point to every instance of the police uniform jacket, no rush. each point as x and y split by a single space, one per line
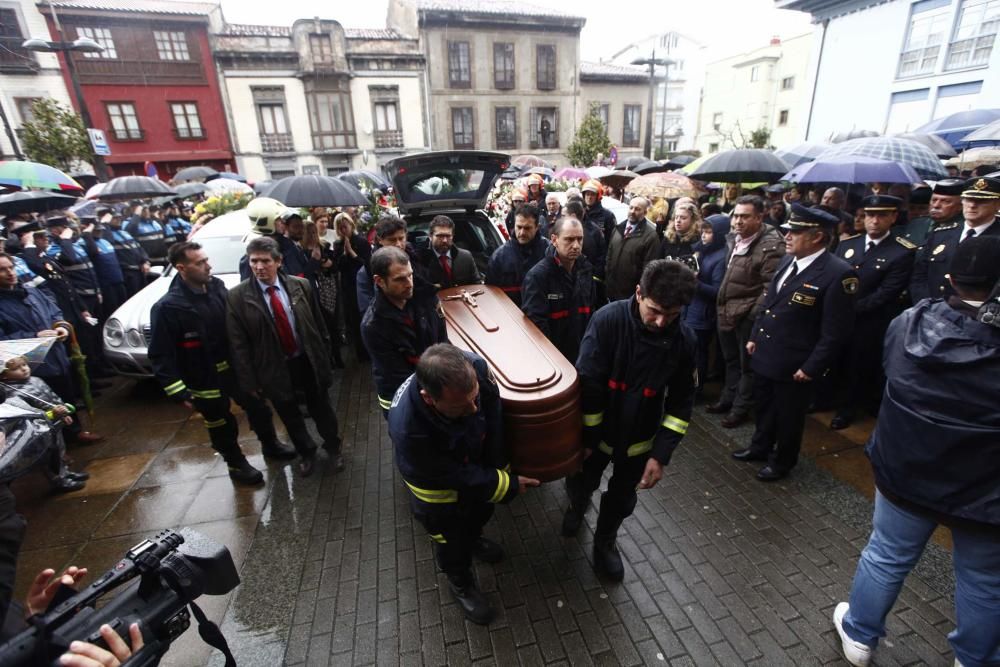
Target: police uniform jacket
511 262
638 385
448 464
188 347
72 256
150 235
560 302
934 260
883 275
56 284
105 259
24 311
917 230
176 230
396 338
807 323
130 254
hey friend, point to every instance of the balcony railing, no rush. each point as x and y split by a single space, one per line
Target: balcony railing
189 133
129 135
101 70
388 139
277 143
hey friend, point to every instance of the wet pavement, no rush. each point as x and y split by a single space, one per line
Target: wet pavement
720 569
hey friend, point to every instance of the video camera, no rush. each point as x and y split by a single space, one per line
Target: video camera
164 574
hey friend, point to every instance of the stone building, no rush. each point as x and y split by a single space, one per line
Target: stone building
620 94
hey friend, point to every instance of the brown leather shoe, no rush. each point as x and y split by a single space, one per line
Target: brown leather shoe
719 408
88 437
732 420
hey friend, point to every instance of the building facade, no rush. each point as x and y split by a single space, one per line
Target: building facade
500 76
764 89
317 98
25 76
154 89
620 95
677 98
921 60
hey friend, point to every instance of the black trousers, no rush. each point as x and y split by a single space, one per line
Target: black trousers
113 297
781 418
455 530
705 337
618 502
11 535
318 405
738 386
860 379
134 281
223 430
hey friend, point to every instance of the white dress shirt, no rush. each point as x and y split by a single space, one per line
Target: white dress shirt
802 263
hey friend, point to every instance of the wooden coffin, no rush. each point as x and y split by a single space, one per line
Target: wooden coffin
538 386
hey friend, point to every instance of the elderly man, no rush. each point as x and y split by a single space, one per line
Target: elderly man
980 205
754 253
553 209
633 245
448 265
945 208
512 261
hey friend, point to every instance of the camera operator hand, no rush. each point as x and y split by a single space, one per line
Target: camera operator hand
45 585
83 654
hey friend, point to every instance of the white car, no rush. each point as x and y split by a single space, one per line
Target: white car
127 331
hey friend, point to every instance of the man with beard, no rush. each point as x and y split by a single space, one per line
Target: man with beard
635 413
512 261
633 245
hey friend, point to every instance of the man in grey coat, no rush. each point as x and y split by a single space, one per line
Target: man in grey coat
633 244
279 346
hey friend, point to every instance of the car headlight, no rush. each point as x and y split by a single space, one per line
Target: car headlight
114 333
134 338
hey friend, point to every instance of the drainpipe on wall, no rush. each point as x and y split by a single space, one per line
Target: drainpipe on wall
819 63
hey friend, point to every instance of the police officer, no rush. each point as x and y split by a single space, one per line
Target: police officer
131 257
175 227
980 205
402 322
189 352
511 262
558 293
945 208
106 266
447 429
883 262
806 319
148 232
636 368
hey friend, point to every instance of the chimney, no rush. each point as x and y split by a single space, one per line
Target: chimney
775 41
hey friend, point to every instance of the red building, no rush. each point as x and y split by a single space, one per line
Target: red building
153 90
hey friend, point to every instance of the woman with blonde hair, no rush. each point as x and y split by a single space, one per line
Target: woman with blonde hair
659 214
683 232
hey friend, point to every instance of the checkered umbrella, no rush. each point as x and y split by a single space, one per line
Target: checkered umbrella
893 149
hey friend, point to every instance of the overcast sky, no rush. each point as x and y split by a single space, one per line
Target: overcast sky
727 27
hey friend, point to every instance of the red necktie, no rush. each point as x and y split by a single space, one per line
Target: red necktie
446 266
285 334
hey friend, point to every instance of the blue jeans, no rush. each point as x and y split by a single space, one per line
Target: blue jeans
898 538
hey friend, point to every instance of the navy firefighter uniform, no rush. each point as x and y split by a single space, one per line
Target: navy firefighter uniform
560 302
189 353
455 469
805 326
637 393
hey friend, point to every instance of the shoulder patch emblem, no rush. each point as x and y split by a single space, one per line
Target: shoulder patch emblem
906 243
938 250
849 253
850 285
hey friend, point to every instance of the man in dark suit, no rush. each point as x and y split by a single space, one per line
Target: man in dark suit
883 262
806 318
980 205
447 264
279 345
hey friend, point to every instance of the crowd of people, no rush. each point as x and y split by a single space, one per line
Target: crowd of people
785 295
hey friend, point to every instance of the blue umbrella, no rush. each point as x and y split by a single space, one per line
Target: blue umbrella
894 149
953 128
853 169
798 154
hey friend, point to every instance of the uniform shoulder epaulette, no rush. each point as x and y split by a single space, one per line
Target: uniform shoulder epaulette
850 238
941 228
906 243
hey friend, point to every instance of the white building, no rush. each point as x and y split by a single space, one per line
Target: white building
676 119
763 89
25 76
893 65
316 98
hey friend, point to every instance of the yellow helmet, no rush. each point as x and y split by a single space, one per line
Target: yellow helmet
263 211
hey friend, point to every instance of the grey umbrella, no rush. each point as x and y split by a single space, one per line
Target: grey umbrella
134 187
314 190
199 173
649 167
191 189
33 201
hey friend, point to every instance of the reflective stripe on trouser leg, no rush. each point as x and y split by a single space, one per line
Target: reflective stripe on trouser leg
221 426
459 532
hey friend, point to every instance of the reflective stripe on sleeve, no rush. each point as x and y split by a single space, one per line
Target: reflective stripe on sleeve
222 366
636 449
439 538
675 424
503 485
175 388
206 393
384 404
215 423
434 495
593 418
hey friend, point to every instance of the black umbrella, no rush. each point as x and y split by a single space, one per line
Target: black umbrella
315 190
191 189
33 201
630 162
84 179
512 173
371 178
134 187
260 186
742 165
199 173
679 161
650 167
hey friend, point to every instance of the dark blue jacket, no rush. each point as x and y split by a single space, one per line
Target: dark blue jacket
150 235
884 274
176 230
511 262
603 218
933 261
638 385
396 338
700 313
131 256
105 259
24 311
595 247
558 302
805 325
72 256
448 464
937 440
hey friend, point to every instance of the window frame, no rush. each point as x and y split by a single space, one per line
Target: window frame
348 131
625 125
553 71
790 80
170 38
470 131
106 40
974 40
185 112
783 118
534 127
138 134
504 53
453 49
500 140
324 54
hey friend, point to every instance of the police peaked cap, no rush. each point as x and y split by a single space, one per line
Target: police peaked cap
882 203
982 187
801 218
953 187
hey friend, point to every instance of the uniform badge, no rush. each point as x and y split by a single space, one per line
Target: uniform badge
850 285
938 250
980 184
849 253
804 299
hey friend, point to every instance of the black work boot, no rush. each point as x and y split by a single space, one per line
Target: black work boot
607 560
277 450
241 472
474 604
487 550
577 508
